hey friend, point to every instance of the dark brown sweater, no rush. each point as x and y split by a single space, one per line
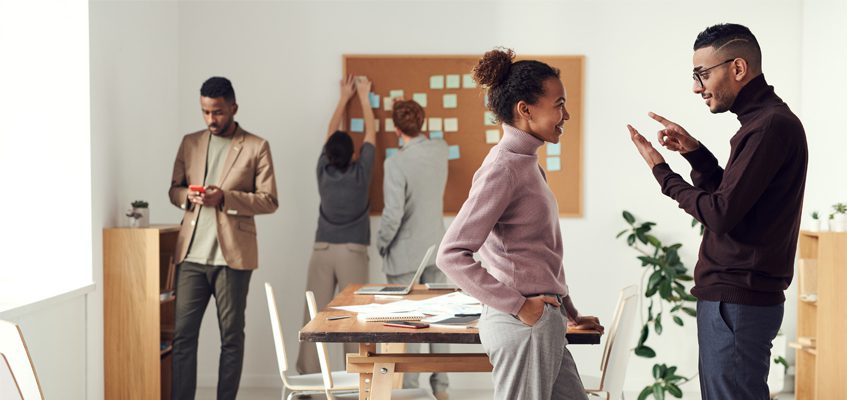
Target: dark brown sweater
751 209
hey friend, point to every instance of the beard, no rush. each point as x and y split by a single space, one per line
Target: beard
722 101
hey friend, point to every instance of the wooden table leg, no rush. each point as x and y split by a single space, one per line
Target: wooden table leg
365 379
382 381
394 348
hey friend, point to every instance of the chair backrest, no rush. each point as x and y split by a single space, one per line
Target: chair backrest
276 327
326 371
13 347
619 341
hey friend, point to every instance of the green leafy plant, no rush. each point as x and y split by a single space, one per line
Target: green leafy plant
140 204
663 282
815 216
782 361
839 208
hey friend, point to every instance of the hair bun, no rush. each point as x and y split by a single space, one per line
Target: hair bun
493 67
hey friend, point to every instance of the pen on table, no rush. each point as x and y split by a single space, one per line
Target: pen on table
335 317
467 315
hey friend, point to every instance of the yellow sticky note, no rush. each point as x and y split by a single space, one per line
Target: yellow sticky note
396 94
451 124
435 124
492 136
453 81
389 125
449 101
387 103
436 82
468 82
420 98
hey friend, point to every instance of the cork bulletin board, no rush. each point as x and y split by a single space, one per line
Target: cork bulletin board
455 111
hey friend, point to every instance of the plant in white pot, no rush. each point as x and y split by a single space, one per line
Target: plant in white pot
816 222
139 215
839 218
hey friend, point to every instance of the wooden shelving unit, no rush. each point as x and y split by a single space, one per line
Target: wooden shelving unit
822 318
138 319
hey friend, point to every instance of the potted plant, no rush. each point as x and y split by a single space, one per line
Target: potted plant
816 222
839 218
139 215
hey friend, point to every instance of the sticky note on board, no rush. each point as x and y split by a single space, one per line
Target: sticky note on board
396 94
554 149
449 101
453 82
436 135
376 125
357 125
435 124
451 124
553 164
468 82
492 136
387 103
389 125
374 98
390 151
490 119
419 98
453 152
436 82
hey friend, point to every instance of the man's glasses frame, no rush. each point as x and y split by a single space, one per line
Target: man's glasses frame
699 79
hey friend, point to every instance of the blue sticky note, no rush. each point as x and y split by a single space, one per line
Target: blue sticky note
390 152
374 98
553 164
357 125
554 149
453 152
436 135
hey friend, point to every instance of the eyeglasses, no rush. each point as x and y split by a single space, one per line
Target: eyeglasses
697 74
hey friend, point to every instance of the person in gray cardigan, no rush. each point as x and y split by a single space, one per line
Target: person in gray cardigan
413 215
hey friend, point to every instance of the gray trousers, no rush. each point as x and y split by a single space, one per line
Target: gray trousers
331 266
438 381
735 348
195 284
530 362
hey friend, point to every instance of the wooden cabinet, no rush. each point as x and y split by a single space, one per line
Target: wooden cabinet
822 316
138 307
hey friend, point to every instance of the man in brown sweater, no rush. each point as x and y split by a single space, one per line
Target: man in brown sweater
751 211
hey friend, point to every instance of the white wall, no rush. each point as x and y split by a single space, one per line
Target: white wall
284 58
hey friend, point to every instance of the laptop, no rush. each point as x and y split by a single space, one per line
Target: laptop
400 289
441 286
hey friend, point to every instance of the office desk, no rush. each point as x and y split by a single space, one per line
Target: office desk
380 371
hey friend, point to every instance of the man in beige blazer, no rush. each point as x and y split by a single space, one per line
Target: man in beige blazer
216 249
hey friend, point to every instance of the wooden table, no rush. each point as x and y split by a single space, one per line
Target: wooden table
379 372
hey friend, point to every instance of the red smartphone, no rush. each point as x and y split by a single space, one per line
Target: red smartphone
197 188
407 324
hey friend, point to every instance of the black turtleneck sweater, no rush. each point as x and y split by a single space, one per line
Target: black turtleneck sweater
751 209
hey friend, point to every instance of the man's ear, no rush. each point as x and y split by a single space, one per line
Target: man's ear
741 69
234 108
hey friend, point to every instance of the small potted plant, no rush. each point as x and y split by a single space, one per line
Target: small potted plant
139 215
816 222
838 218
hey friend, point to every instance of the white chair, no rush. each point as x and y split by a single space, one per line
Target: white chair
329 378
619 342
301 384
15 360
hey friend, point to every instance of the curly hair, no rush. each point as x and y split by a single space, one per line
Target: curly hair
408 116
217 86
510 82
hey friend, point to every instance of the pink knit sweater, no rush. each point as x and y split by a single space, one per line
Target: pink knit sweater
511 218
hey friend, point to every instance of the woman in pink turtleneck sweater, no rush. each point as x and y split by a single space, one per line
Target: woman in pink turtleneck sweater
511 218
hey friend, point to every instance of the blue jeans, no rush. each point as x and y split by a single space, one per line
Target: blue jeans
735 349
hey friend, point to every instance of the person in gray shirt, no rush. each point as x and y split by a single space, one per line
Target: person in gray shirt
413 215
340 254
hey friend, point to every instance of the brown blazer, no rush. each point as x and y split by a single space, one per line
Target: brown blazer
249 187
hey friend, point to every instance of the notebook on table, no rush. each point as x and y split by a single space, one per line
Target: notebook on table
387 316
400 289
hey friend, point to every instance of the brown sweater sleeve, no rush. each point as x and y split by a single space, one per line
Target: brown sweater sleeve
706 173
753 165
